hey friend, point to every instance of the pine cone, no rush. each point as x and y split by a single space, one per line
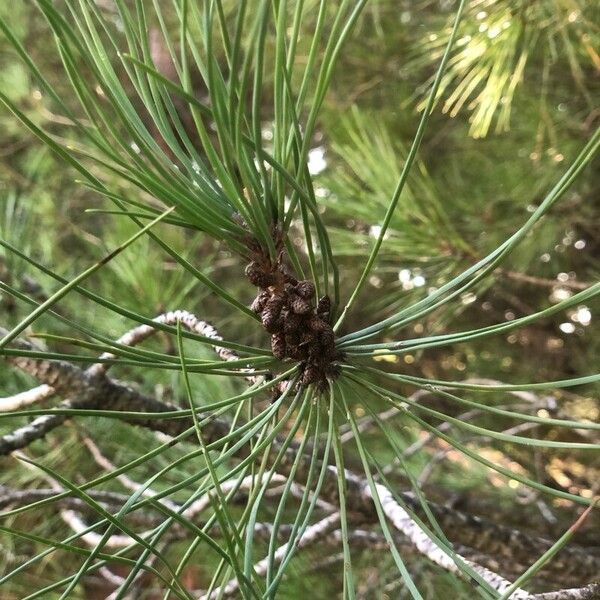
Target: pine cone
317 324
311 374
271 315
278 345
327 344
324 305
291 322
305 289
307 337
271 323
294 351
299 305
257 275
259 302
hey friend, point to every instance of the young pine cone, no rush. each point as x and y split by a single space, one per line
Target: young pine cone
257 275
306 337
316 323
271 313
291 322
294 351
299 305
278 345
305 289
324 305
311 374
327 338
259 302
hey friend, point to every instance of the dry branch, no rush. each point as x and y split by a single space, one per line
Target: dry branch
32 396
589 592
311 535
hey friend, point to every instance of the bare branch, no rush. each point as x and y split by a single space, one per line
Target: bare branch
589 592
95 391
540 281
36 394
311 534
11 497
193 510
91 538
403 522
190 322
127 482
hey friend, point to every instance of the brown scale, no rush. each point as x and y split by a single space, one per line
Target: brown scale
299 331
298 305
324 305
278 345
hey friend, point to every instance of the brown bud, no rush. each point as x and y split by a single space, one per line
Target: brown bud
305 289
299 305
307 337
327 338
291 322
295 351
278 345
271 323
319 353
274 326
275 303
327 341
293 338
311 374
271 313
324 305
259 302
288 276
317 324
257 275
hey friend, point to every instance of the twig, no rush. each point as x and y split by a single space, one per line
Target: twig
11 497
589 592
404 523
17 401
94 391
128 483
311 534
93 539
190 322
193 510
551 283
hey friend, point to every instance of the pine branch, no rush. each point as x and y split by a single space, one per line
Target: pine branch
96 390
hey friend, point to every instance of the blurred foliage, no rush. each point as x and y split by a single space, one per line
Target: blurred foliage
498 41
